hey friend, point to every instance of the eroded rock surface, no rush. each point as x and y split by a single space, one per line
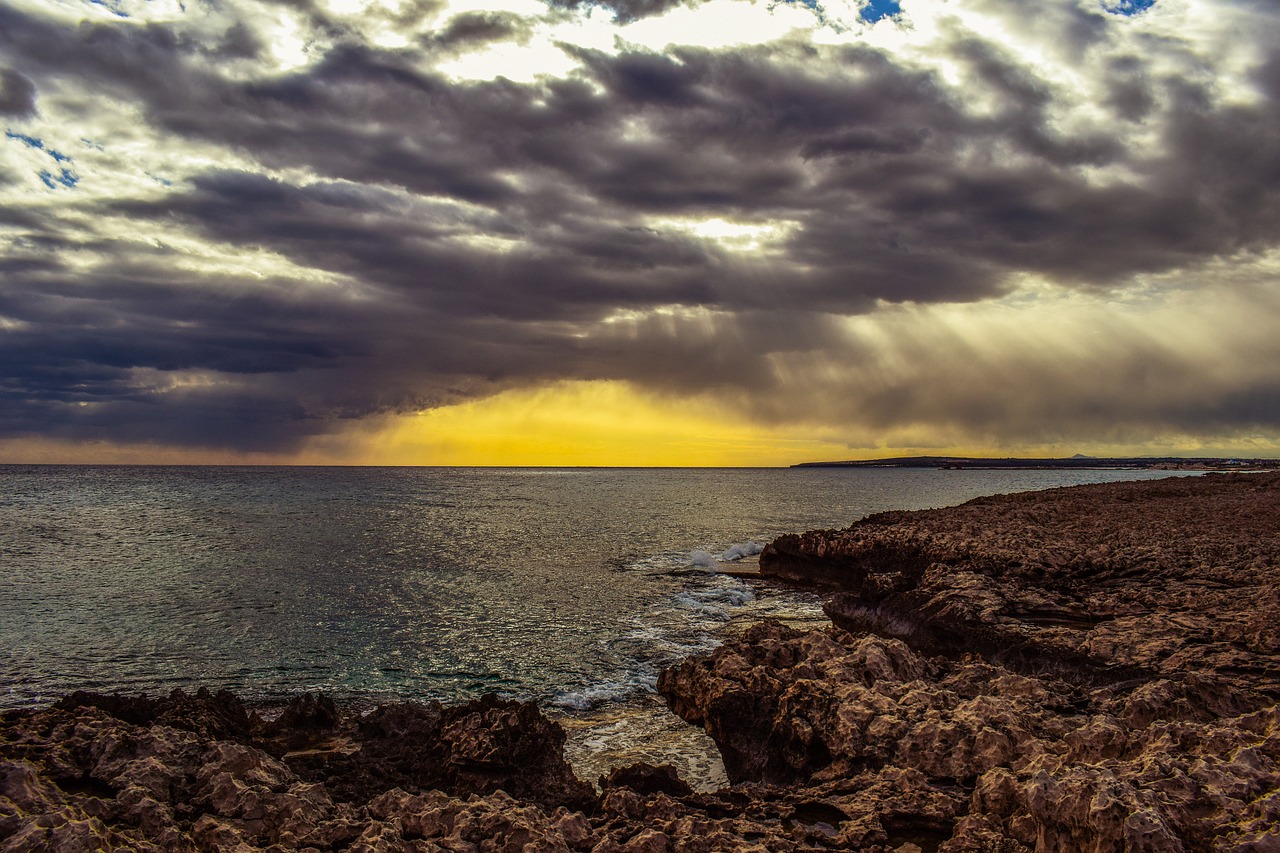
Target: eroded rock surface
199 773
487 776
986 758
1141 579
1093 668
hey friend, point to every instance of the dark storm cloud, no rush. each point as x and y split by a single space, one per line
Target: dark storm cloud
17 94
143 314
241 421
419 253
625 10
476 235
472 29
1130 95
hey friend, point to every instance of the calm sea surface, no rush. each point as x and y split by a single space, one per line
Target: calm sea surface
573 587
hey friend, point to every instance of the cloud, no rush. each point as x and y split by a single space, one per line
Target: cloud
1072 370
626 10
284 218
17 94
469 30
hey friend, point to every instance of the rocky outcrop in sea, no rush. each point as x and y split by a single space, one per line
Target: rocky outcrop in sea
1083 669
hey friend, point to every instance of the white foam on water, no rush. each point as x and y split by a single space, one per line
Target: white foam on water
702 559
741 549
706 609
605 693
737 594
622 720
662 562
663 645
687 622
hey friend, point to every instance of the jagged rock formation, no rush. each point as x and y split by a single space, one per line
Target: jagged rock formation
976 757
1094 668
199 773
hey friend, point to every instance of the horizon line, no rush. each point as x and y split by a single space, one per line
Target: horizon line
780 466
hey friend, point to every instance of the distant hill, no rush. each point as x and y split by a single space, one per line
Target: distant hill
1137 463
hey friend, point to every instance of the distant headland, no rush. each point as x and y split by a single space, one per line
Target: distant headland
1134 463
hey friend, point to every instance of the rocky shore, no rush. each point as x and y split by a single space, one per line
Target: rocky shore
1094 668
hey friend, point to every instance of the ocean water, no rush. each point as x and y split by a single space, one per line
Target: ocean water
572 587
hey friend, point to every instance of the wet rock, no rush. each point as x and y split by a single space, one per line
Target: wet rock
153 787
487 745
219 715
304 716
951 739
645 778
496 744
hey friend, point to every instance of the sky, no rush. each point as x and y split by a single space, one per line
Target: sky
637 232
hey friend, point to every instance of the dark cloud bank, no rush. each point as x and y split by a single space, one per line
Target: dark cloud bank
474 236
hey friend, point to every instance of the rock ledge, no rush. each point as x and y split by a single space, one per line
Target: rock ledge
1092 668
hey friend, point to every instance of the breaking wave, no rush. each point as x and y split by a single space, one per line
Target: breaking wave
702 559
740 550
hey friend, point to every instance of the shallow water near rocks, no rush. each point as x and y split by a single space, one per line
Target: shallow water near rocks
572 587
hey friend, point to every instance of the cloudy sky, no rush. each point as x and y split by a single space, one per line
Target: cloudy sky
638 231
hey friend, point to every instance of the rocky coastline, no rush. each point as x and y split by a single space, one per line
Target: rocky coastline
1094 668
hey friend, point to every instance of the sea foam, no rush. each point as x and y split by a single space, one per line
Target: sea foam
741 549
702 559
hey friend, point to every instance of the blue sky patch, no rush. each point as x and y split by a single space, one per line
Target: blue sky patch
872 10
65 178
1127 7
112 6
877 9
38 144
29 141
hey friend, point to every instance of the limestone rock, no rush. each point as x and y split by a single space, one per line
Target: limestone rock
645 778
1090 669
75 777
1102 582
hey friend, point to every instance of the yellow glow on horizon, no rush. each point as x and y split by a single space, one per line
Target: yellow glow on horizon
586 424
604 424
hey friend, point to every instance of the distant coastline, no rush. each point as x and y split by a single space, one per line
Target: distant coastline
1135 463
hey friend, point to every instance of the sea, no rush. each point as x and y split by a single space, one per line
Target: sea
571 587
